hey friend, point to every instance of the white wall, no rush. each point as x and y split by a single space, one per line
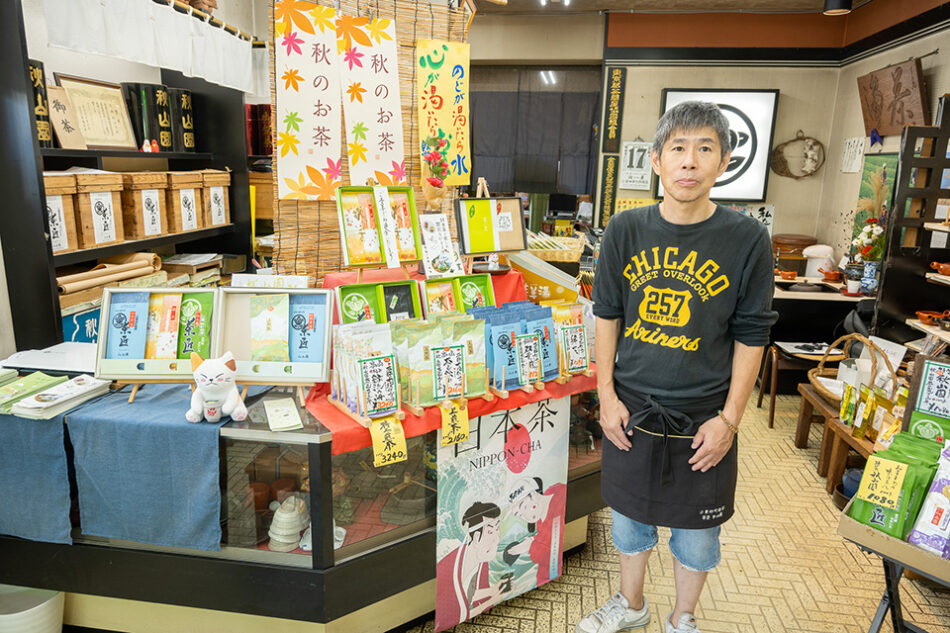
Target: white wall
839 190
806 97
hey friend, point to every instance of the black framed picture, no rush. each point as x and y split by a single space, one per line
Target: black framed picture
751 116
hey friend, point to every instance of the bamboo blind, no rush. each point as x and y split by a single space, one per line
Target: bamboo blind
307 233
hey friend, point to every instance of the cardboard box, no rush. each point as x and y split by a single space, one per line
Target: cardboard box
905 553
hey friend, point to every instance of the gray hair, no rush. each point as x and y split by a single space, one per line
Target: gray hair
692 115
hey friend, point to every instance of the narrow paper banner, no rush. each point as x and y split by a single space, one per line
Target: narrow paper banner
442 84
309 134
369 71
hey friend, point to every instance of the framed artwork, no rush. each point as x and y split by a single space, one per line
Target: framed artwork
64 119
100 111
490 225
751 116
877 190
379 226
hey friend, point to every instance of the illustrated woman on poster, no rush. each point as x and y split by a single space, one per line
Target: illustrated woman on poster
543 511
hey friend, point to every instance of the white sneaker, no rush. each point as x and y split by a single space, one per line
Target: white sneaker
615 615
687 624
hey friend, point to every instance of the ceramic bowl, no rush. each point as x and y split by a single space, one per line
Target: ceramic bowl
788 274
943 269
929 317
830 275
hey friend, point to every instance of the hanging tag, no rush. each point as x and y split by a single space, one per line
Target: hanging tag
389 441
387 226
455 422
882 482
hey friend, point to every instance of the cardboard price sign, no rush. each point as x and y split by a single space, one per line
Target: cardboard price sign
882 482
455 425
528 349
448 372
389 441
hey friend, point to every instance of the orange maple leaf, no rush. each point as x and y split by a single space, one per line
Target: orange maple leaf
349 29
356 92
324 188
383 179
293 11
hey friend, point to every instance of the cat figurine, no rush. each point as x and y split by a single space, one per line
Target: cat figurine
215 392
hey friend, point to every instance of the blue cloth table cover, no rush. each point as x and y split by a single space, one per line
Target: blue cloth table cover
34 482
144 472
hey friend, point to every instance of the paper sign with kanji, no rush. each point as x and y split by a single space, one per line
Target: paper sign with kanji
308 116
442 79
369 71
454 422
882 481
389 441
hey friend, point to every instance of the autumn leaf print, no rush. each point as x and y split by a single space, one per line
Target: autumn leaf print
287 142
334 170
292 42
359 131
292 121
377 30
324 18
398 171
292 11
355 92
291 79
298 188
323 188
356 152
383 179
352 57
349 29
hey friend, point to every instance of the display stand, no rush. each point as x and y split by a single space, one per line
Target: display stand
405 265
481 191
137 384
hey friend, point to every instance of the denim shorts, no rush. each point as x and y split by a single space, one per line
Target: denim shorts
697 550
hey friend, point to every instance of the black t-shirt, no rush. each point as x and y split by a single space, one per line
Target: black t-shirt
684 293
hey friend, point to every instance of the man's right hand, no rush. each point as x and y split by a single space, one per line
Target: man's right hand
613 419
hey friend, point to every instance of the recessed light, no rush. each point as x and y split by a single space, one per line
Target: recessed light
837 7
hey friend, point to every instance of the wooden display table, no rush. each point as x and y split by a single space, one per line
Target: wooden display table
836 438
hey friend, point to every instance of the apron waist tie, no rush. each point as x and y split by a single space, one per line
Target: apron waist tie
673 421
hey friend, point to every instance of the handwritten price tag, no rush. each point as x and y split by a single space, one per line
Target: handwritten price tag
389 441
455 423
882 482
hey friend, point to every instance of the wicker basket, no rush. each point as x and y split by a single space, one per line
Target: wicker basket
820 371
573 252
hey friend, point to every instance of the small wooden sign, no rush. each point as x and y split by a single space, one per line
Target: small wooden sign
64 119
893 98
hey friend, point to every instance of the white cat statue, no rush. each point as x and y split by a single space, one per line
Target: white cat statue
215 392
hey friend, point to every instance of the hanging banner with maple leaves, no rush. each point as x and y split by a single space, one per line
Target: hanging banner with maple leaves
369 73
308 117
442 77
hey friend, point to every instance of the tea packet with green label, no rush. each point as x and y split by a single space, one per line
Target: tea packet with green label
194 324
421 338
470 334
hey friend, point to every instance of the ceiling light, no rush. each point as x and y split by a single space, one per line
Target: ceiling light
544 3
837 7
544 78
567 3
551 75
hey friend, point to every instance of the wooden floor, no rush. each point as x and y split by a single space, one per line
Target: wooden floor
784 568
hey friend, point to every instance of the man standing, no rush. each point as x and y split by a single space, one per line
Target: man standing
682 295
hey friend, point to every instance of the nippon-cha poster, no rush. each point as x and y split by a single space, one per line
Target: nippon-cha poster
502 499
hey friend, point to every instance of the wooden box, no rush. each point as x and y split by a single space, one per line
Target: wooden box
217 206
263 183
183 201
143 204
61 211
99 209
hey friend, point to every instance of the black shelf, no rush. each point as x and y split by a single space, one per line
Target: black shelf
121 153
75 257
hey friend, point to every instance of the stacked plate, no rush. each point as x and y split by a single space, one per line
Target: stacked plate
290 519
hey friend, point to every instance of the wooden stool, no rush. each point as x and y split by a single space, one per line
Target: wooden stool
777 360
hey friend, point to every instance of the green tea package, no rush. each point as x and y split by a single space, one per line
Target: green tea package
194 324
400 334
421 339
929 427
470 334
898 522
848 404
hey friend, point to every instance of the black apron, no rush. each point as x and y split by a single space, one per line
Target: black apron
653 482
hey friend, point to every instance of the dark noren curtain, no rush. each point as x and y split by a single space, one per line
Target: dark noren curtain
530 134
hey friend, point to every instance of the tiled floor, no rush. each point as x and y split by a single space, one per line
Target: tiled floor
784 567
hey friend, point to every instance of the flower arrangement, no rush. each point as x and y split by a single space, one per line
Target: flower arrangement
869 244
435 161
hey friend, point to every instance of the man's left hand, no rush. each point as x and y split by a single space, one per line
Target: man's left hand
712 441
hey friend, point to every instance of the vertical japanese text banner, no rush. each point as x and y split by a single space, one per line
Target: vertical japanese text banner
442 78
308 117
369 70
501 509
